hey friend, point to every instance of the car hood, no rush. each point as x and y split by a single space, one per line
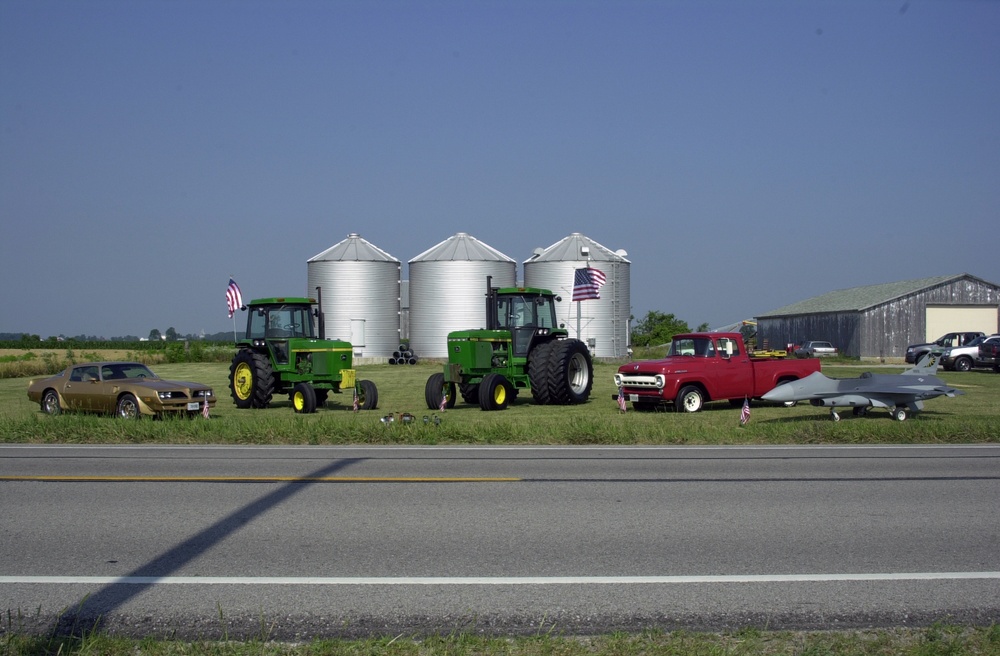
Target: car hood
159 384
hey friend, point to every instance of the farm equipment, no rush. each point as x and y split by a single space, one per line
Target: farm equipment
521 348
281 354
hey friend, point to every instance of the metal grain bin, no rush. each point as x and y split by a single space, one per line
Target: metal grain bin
603 324
448 290
360 293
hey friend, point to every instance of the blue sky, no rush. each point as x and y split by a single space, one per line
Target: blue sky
746 155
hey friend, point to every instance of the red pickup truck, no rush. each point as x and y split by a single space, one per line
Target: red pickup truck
702 367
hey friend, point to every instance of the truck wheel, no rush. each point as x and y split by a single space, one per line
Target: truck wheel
437 390
963 363
571 372
494 392
304 398
251 380
689 399
367 395
538 372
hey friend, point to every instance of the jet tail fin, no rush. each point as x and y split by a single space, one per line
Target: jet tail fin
927 365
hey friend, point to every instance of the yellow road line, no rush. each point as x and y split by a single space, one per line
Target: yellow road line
263 479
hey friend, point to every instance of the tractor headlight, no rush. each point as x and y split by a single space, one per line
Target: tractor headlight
542 331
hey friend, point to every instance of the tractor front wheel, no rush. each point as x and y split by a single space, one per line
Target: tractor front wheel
251 380
438 394
304 398
494 392
367 395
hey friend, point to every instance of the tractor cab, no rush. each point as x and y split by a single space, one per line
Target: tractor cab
525 313
273 321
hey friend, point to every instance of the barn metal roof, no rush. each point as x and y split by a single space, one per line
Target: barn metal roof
353 249
856 299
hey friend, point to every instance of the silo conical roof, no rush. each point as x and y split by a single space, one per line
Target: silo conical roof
570 248
462 247
353 249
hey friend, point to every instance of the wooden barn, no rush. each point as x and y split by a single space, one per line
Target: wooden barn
880 321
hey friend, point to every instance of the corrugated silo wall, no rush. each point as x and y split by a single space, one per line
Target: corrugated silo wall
838 328
356 291
604 320
448 295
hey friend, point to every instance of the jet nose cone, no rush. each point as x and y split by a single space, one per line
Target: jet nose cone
779 394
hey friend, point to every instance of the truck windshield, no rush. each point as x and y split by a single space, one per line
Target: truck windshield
697 346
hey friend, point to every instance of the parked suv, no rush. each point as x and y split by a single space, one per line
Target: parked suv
915 351
963 358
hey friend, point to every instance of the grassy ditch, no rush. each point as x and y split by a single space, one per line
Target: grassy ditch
944 639
973 417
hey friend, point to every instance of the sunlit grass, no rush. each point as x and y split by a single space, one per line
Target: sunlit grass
973 417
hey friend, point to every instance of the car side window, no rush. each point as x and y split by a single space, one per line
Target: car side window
76 375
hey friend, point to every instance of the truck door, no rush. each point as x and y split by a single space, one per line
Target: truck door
734 370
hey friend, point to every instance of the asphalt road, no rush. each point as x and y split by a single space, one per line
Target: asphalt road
294 543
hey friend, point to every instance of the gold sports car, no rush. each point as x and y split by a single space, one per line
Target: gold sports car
127 389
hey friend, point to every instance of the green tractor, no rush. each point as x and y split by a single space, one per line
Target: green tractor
280 354
521 348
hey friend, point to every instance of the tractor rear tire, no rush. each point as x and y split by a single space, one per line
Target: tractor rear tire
539 372
367 395
437 390
494 392
251 380
304 398
571 372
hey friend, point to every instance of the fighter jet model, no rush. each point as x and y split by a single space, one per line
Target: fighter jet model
896 392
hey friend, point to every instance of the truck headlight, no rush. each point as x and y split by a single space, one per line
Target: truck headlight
660 382
618 380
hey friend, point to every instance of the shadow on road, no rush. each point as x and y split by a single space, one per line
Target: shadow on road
90 613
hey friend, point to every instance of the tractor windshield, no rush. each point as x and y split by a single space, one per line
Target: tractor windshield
281 322
524 310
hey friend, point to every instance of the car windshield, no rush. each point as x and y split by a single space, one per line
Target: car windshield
126 370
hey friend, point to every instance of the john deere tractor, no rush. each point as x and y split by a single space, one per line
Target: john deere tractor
521 348
280 354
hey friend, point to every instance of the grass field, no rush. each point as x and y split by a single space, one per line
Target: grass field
972 417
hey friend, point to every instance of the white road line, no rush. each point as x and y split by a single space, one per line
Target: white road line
493 580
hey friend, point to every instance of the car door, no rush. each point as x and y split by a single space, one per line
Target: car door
83 389
734 373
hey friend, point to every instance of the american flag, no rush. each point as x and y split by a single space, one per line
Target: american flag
204 409
745 412
444 400
234 299
621 399
355 399
587 283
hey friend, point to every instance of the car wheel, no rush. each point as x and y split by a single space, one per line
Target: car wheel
963 364
127 407
689 399
304 398
50 403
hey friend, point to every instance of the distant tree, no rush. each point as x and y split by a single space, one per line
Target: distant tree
702 328
657 328
171 334
154 335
